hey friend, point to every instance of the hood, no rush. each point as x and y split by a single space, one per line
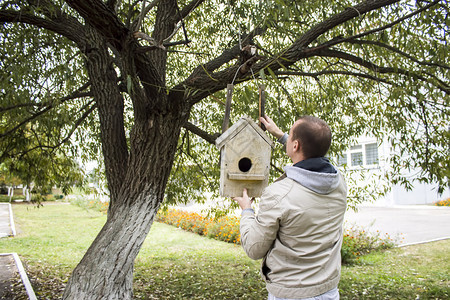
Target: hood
319 182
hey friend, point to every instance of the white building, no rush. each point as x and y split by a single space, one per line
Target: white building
367 162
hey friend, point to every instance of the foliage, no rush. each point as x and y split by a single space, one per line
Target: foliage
5 198
225 229
188 221
6 178
445 202
379 77
359 241
33 127
89 202
356 242
354 101
175 264
39 171
115 81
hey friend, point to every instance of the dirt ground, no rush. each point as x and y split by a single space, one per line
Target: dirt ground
11 286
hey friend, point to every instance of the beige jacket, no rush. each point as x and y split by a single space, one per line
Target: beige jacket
298 232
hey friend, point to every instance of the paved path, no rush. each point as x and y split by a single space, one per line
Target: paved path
5 227
412 223
11 268
8 273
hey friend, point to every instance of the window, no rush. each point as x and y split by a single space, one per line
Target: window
357 159
342 160
371 154
361 155
356 147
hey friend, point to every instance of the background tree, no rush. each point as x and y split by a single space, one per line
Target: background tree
154 74
27 160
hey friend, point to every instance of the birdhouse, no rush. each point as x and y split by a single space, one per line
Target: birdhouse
244 159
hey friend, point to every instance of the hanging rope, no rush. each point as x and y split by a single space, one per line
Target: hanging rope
246 58
262 104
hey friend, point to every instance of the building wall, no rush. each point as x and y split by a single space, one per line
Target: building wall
367 173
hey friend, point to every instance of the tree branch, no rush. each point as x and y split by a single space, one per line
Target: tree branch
202 77
332 72
103 19
68 27
203 81
382 70
112 4
381 28
188 9
21 105
77 123
402 53
199 166
201 133
76 94
297 50
144 11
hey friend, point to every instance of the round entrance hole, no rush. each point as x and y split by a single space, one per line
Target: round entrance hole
245 164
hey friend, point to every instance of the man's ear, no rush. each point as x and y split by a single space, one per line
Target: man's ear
296 146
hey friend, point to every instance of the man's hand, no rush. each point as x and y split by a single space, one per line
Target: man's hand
271 127
244 201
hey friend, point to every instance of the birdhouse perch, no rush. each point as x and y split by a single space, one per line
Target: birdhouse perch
245 159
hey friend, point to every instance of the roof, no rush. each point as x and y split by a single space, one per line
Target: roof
237 127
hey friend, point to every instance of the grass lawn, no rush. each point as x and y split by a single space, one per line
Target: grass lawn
174 264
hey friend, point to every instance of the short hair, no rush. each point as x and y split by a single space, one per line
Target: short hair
314 135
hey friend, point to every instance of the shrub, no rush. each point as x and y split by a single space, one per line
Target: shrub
94 204
48 197
188 221
358 242
5 198
445 202
225 229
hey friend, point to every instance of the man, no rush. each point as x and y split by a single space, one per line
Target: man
298 229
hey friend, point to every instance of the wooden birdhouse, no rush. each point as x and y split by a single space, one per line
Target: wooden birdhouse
245 152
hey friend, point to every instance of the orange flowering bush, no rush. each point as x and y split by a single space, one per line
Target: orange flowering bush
94 204
358 242
99 206
445 202
188 221
224 229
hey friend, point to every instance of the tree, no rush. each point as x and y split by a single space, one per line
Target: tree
154 73
24 165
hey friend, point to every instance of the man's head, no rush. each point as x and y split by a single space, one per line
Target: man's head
309 137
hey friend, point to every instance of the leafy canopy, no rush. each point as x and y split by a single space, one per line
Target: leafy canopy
381 72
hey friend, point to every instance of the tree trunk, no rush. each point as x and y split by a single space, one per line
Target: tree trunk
137 176
106 270
110 107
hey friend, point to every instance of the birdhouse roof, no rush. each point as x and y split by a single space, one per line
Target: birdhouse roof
237 127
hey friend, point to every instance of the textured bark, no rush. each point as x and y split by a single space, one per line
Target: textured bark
110 110
137 173
106 269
